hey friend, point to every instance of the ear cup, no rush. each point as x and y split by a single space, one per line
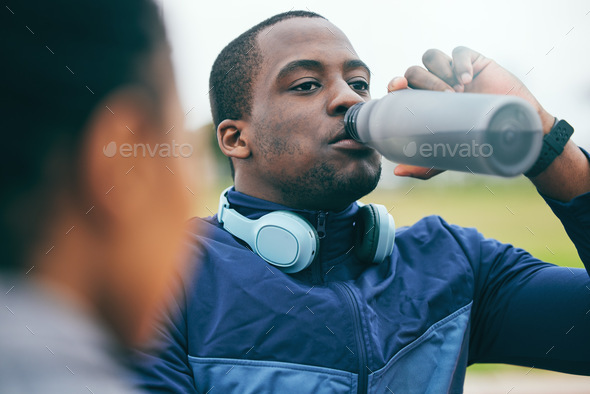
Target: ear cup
286 240
375 234
367 233
282 238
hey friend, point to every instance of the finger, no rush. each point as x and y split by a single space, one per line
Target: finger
415 171
419 78
397 83
440 64
464 60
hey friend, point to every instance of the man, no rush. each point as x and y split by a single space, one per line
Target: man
91 235
445 297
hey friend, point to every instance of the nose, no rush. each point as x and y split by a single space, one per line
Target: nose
342 98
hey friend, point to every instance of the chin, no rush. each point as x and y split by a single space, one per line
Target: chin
352 186
328 187
359 189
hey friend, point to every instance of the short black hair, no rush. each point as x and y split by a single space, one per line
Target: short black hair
61 59
236 68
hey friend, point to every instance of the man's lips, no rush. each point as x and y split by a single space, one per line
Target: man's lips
342 135
345 141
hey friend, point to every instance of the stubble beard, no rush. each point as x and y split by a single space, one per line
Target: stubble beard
323 188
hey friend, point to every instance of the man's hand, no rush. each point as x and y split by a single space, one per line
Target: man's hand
466 71
470 71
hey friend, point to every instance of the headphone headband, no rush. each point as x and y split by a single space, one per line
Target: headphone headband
289 242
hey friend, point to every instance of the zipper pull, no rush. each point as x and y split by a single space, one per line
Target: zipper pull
321 227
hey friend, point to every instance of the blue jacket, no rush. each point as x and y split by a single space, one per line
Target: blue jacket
447 298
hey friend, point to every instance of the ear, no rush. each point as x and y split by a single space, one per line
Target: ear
114 175
232 138
139 206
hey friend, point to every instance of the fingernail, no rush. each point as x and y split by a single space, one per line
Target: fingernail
393 81
449 90
465 78
457 88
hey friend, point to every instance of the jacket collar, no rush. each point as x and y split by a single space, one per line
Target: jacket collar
338 227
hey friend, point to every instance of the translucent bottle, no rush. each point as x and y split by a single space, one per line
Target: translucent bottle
478 133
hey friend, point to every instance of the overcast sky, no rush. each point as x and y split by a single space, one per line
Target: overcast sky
543 43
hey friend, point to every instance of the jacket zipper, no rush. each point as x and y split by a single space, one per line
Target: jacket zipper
321 231
321 227
358 331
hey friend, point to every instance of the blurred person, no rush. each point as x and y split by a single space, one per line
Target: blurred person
445 297
91 233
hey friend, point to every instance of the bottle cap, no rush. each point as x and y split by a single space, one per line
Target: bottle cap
350 120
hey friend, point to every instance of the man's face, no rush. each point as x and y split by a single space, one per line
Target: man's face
309 77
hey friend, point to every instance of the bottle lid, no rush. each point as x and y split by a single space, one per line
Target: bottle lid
350 120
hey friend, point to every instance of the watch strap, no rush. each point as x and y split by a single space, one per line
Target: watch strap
553 145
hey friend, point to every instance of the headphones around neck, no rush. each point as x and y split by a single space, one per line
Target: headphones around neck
290 243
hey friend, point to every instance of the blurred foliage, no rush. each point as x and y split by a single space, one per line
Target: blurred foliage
509 210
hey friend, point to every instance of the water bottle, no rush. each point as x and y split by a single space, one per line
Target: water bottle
470 132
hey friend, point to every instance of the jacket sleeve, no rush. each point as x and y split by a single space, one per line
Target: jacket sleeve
161 366
531 313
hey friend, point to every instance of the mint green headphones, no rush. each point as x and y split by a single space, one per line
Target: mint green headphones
290 243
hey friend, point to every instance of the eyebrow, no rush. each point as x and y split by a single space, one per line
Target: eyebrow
299 64
315 65
356 63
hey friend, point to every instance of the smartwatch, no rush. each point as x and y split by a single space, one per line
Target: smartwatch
553 144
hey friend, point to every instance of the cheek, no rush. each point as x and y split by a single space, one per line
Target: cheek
291 135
